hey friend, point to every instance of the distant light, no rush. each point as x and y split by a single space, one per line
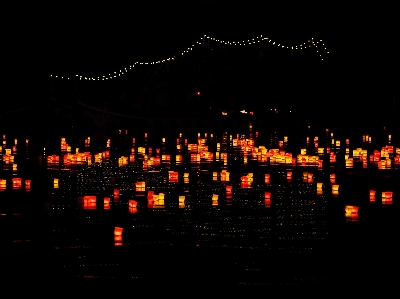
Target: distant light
198 93
290 111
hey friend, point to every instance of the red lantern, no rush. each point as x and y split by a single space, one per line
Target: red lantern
116 194
118 236
351 212
267 178
372 195
267 199
17 183
132 204
106 203
173 177
28 185
387 197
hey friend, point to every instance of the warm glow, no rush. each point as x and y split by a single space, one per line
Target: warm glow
351 212
335 189
387 197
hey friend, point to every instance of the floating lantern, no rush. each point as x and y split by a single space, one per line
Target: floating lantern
178 159
16 183
132 206
244 182
310 178
108 143
159 200
335 189
186 177
3 184
224 176
289 176
387 197
140 186
228 190
372 195
28 185
173 177
267 199
349 163
89 202
332 178
181 201
118 236
116 194
267 178
150 199
15 166
214 200
215 176
351 212
107 203
55 183
319 188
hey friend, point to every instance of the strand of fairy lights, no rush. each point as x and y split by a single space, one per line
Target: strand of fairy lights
321 50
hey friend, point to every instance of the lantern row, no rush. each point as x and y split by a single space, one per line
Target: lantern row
321 50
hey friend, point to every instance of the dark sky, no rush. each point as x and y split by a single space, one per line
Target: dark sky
98 36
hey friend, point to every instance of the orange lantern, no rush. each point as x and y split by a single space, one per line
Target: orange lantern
17 183
319 188
150 199
106 203
332 178
228 190
351 212
89 202
173 177
335 189
118 236
289 176
27 185
267 199
116 194
214 200
310 178
387 198
267 178
140 186
3 184
132 205
372 195
181 201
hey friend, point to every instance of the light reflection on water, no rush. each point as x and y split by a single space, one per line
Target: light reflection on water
245 206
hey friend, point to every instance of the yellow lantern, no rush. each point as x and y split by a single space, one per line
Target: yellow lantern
215 199
55 183
351 212
181 201
335 189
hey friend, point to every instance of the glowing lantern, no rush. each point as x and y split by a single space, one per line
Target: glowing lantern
349 163
55 183
310 178
178 159
3 184
15 167
132 206
214 199
289 176
267 199
150 199
267 178
372 195
118 236
320 164
244 182
159 200
387 198
108 143
27 185
186 177
319 188
106 203
215 176
347 141
116 194
335 189
351 212
173 177
89 202
181 201
224 176
17 183
140 186
228 190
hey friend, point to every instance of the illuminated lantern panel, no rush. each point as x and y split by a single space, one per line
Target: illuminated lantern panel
224 176
289 176
116 194
17 183
214 199
118 236
332 178
351 212
106 203
181 201
3 184
335 189
268 178
172 177
387 198
150 199
132 205
310 178
186 177
140 186
89 202
267 199
27 185
319 188
228 189
159 200
372 195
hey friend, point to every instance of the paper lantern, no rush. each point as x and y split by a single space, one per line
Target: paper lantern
387 197
159 200
319 188
372 195
55 183
3 184
214 200
116 194
150 199
16 183
228 190
107 203
267 199
132 206
89 202
332 178
118 236
181 201
225 176
267 179
351 212
173 176
244 182
215 176
335 189
27 185
310 178
140 186
186 177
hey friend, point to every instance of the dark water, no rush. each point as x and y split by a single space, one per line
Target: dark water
302 239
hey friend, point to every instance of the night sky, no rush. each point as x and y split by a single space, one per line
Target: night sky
98 37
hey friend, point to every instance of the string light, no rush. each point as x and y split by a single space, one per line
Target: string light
319 45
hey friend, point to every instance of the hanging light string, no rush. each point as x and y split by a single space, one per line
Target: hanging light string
318 45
